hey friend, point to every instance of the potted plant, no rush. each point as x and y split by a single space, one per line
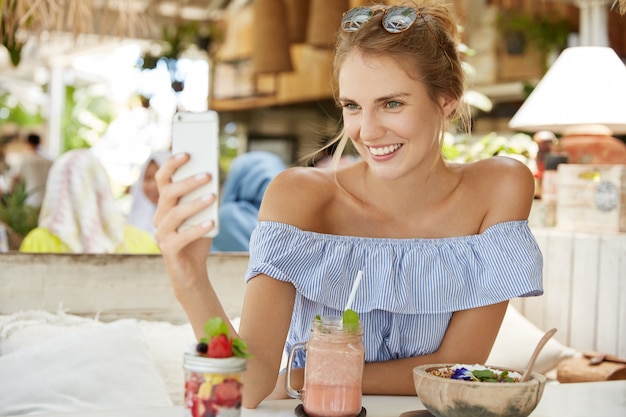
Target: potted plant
17 215
546 33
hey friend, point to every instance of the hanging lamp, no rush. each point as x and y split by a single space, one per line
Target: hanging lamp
324 21
270 40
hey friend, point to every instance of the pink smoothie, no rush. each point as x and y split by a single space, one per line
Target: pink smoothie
332 400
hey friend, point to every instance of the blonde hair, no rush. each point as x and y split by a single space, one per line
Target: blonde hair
427 51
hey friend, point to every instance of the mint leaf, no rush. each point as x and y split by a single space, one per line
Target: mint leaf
484 375
350 317
240 349
215 327
350 320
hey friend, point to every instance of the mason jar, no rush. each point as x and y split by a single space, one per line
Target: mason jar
333 371
213 386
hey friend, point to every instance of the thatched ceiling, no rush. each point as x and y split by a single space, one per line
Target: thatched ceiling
118 18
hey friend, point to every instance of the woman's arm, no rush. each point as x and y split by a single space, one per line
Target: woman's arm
265 319
268 303
469 339
185 252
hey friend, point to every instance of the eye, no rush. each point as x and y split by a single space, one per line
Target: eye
393 104
350 106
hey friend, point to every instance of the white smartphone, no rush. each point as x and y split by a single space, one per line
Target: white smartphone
197 133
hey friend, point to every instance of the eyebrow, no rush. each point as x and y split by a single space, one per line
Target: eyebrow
380 99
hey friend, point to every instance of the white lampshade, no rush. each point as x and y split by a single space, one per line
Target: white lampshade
585 85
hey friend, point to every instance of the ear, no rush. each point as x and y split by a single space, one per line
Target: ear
448 105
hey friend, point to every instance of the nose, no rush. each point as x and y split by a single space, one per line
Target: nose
371 127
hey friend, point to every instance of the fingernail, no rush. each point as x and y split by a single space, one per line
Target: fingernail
180 155
207 197
208 223
201 176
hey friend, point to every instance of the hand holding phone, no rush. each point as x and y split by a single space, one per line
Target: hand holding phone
197 134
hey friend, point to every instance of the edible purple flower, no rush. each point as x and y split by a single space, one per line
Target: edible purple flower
463 373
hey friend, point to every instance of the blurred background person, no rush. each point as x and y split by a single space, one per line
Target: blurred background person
79 213
32 168
144 193
249 175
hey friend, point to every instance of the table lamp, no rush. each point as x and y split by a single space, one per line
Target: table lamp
582 97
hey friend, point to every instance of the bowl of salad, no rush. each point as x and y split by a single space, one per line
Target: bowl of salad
462 390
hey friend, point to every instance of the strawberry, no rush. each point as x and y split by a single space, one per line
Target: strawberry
217 343
220 347
228 393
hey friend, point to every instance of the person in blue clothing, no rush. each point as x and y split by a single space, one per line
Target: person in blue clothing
241 195
443 247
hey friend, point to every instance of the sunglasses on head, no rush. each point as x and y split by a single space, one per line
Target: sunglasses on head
396 19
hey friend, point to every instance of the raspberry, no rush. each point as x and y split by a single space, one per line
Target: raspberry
220 347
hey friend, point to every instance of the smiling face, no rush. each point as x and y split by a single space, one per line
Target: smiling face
389 115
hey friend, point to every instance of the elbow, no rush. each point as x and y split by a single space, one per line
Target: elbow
250 402
252 399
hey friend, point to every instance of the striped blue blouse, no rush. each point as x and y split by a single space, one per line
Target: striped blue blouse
410 287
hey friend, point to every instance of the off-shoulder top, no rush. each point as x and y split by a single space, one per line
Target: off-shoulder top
409 288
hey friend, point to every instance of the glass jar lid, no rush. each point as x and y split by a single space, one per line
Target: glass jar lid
197 363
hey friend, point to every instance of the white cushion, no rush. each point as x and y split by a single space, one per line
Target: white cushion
166 341
94 367
516 341
29 328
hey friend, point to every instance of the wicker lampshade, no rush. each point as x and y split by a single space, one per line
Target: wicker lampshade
270 39
297 17
237 44
324 20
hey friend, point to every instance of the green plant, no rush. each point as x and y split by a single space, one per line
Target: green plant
8 32
466 148
21 115
545 32
86 117
14 211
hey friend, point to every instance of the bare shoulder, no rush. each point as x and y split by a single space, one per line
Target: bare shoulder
505 185
503 169
296 194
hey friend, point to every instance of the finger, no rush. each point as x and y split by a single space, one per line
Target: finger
176 242
163 178
163 175
181 212
168 222
171 193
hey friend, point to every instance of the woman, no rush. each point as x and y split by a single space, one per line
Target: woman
442 247
145 193
79 215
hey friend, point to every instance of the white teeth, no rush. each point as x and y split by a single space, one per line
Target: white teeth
385 150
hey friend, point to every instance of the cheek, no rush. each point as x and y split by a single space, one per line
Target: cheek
151 191
352 126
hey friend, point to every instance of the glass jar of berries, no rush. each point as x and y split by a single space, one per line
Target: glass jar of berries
212 385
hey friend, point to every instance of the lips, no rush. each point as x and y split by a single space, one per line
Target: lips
384 150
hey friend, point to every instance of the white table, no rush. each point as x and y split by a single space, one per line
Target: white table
597 399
